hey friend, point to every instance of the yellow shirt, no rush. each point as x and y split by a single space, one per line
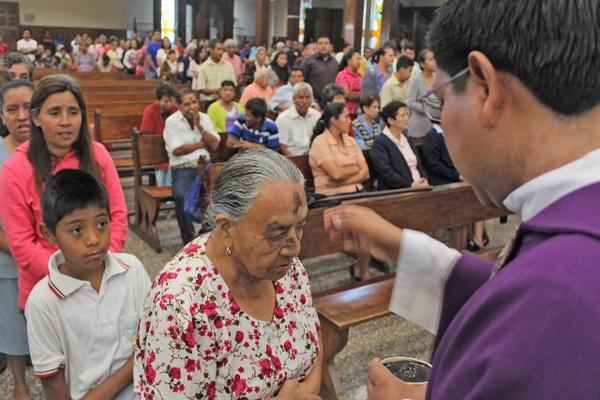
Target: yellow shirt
393 90
211 74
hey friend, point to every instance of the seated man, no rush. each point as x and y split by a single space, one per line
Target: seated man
18 66
254 129
296 124
189 134
258 88
153 122
283 97
224 112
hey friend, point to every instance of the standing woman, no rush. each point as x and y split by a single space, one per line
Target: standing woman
59 140
280 70
418 86
15 97
350 80
129 58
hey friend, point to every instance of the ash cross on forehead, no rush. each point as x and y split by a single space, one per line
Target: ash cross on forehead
297 202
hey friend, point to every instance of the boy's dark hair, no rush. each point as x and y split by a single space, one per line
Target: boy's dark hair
404 62
551 46
408 46
166 89
70 190
228 83
391 110
214 42
257 107
366 101
297 68
330 91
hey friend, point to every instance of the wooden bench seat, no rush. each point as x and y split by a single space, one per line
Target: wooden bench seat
162 193
148 150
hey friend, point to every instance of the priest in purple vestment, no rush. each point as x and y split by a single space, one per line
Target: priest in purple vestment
521 91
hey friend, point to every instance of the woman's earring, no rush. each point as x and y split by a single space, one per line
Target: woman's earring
228 251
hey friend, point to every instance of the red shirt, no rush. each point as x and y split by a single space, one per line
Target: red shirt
153 123
3 49
351 81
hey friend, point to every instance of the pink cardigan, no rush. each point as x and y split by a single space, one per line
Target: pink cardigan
21 214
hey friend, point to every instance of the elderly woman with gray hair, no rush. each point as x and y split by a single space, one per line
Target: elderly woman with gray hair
231 316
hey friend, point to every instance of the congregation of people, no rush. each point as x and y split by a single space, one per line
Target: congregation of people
289 101
231 315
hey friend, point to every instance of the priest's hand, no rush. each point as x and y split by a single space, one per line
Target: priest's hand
382 385
361 229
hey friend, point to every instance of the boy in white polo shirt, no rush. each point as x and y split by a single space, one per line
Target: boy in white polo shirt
82 317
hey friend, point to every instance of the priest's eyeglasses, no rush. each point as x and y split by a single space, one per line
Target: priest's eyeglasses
431 102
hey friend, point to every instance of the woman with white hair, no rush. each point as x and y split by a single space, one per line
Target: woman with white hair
231 315
260 62
259 88
234 59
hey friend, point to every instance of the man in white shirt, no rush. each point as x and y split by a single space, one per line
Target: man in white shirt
296 124
521 124
27 46
189 134
283 97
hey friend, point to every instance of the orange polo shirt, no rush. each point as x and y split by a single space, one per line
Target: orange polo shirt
325 148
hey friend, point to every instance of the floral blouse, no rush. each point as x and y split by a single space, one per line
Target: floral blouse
195 342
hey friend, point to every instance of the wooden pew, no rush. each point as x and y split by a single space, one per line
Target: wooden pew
83 76
108 96
442 207
450 206
148 150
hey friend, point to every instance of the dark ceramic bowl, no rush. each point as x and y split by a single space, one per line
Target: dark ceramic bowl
410 370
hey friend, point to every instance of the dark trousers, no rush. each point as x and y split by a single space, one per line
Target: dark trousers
182 179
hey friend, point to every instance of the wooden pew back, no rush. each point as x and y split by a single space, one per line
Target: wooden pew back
443 207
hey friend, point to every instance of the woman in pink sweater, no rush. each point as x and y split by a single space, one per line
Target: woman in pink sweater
59 139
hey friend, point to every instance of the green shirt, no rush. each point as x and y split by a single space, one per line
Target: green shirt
218 115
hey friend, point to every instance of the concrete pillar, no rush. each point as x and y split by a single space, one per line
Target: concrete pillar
261 35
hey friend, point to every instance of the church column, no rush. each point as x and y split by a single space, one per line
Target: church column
228 19
261 35
181 7
389 18
293 19
200 20
353 15
156 15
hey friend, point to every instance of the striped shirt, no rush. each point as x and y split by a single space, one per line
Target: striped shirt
267 135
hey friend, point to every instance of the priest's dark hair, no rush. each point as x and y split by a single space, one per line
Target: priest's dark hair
38 154
68 191
551 46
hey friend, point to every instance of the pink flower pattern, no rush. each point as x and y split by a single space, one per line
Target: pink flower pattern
195 342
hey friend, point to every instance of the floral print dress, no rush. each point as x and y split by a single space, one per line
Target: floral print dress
194 341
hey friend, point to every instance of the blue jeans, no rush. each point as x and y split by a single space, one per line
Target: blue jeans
163 177
182 179
150 74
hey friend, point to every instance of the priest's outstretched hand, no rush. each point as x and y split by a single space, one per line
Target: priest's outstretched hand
382 385
361 229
